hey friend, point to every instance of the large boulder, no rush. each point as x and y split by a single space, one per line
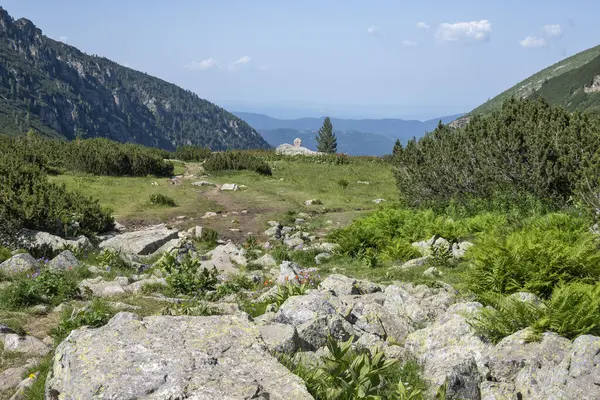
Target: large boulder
25 345
31 240
63 261
18 264
217 357
449 349
420 303
315 317
551 368
143 242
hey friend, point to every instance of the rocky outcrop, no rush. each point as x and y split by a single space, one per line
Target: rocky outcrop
35 240
291 150
141 243
220 357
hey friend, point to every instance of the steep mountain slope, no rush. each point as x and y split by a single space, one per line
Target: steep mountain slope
392 128
562 83
64 92
350 142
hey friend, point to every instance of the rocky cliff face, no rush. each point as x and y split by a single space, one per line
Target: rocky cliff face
63 92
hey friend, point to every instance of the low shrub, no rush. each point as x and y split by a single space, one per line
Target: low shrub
191 153
28 200
159 199
236 161
97 156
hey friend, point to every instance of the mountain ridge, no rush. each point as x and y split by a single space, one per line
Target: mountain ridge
63 92
543 83
391 127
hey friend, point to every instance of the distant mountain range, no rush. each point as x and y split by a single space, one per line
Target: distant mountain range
355 136
63 92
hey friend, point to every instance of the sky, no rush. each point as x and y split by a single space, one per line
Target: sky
349 58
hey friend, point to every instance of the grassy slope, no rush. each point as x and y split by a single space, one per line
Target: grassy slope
567 89
265 198
524 88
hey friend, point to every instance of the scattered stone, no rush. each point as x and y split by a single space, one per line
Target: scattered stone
312 202
322 257
23 386
379 201
416 262
218 357
18 264
101 288
64 261
10 378
460 249
143 242
432 272
203 183
293 242
266 261
209 214
229 187
25 344
363 182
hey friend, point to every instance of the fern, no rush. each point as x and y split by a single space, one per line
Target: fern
506 316
572 311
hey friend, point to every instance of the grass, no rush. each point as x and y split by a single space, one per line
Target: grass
266 197
128 196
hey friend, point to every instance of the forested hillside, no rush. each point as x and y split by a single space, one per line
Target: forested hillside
63 92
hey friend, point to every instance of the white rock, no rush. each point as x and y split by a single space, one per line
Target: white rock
229 187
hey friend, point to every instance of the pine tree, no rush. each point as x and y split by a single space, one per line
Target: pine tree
326 141
397 148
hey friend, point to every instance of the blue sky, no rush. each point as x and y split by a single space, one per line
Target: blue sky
350 58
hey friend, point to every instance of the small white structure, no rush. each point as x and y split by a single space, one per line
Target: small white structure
295 149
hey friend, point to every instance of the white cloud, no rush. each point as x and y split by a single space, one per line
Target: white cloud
532 42
553 31
202 65
422 25
373 30
470 32
243 60
63 39
409 43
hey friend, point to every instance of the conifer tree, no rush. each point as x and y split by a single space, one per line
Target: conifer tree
326 141
397 148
